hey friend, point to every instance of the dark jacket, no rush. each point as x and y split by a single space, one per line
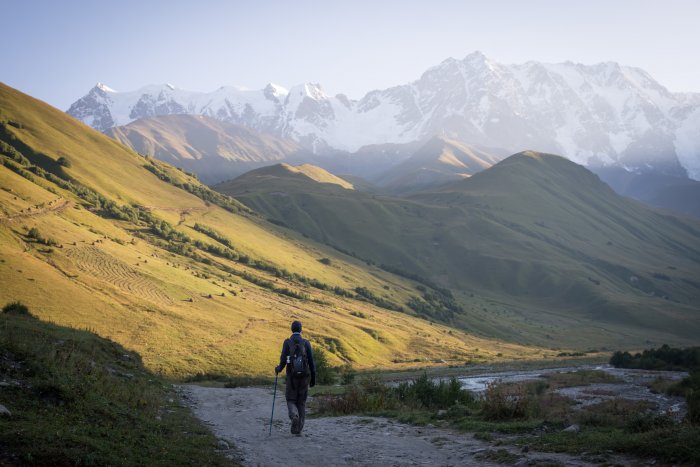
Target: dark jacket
287 348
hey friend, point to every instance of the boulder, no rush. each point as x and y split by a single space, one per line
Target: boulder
572 429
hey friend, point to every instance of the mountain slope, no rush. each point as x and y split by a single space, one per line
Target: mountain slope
438 161
280 175
93 235
607 113
535 246
662 191
213 149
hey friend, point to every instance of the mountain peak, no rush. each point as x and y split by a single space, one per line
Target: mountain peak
477 58
103 87
476 55
305 173
276 89
311 90
593 114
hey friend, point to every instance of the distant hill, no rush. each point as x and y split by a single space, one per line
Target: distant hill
279 175
213 149
678 194
95 236
535 246
438 161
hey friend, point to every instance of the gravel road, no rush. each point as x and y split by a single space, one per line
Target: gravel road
240 419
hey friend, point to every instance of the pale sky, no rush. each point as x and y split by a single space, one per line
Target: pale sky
57 50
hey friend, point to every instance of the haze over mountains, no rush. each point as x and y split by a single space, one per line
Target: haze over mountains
592 114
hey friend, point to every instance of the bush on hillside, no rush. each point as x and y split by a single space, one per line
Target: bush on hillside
325 374
16 308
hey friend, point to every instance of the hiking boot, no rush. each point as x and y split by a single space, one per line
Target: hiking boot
296 425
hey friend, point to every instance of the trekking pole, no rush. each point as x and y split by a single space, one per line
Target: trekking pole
274 396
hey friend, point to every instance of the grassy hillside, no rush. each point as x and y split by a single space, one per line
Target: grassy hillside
213 149
93 235
77 399
281 174
534 248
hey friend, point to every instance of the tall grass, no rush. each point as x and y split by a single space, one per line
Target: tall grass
371 395
77 399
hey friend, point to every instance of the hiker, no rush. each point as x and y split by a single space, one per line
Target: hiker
301 373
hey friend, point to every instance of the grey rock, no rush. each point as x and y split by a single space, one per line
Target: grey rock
4 411
572 429
223 445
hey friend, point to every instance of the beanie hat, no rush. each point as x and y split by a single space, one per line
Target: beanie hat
296 326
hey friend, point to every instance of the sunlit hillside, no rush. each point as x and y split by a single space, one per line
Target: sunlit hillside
93 235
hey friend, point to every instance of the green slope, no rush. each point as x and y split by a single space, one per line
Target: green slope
77 399
94 235
535 247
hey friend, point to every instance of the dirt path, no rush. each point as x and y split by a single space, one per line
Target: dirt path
53 207
241 417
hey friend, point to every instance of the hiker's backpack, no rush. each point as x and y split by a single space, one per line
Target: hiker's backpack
299 362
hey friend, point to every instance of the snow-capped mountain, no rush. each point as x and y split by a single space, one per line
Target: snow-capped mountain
593 114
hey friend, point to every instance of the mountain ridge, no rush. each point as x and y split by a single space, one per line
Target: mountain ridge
439 160
600 114
211 148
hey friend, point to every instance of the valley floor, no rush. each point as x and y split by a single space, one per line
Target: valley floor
241 417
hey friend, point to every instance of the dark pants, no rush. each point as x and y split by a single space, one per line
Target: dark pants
296 393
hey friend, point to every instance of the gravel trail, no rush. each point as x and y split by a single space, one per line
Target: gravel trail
240 418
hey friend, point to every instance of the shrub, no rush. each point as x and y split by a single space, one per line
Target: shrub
694 406
663 358
371 395
16 308
35 235
63 162
347 374
505 402
324 373
426 393
326 261
359 314
211 233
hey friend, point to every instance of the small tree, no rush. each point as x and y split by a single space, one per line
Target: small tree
16 308
64 162
324 373
347 374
